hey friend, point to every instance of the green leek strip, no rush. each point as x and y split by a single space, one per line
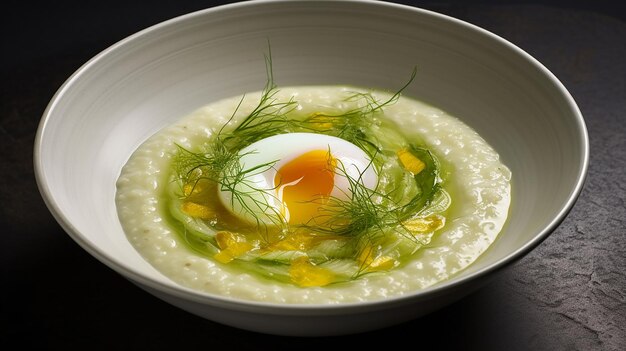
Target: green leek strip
342 269
427 182
374 217
198 233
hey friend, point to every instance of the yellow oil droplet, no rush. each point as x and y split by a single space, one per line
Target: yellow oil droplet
320 122
196 210
370 261
425 224
232 245
410 162
305 274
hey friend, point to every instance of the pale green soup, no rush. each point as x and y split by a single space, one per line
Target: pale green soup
431 199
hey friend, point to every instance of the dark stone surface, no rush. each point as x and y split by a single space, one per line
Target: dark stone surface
568 294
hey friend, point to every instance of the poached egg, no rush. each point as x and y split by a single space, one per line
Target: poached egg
287 178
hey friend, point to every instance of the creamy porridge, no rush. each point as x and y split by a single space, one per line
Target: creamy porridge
426 193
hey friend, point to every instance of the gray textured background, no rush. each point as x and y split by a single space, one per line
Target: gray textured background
568 294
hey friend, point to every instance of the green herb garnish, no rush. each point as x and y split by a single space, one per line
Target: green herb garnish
367 230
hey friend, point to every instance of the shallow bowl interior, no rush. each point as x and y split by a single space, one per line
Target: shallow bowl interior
149 80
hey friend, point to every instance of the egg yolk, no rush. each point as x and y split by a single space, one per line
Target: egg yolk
304 185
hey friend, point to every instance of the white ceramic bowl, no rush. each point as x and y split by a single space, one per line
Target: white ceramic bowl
147 81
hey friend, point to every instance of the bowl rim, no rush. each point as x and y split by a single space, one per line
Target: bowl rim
179 291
